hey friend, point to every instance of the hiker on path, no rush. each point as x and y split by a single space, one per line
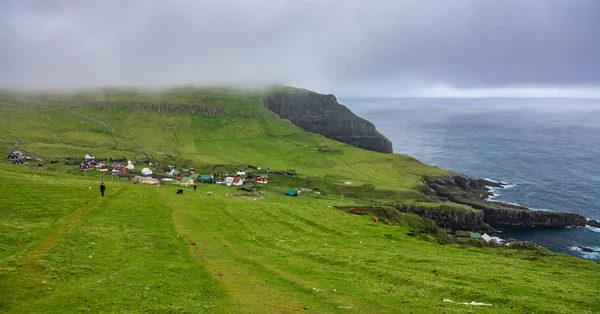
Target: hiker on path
102 188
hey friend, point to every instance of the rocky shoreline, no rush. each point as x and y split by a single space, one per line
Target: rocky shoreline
462 189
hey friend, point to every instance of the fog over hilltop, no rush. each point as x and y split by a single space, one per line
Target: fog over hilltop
350 47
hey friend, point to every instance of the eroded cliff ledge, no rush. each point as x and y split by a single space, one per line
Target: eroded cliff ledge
474 192
322 114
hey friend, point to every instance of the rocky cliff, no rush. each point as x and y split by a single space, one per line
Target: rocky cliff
449 216
474 192
322 114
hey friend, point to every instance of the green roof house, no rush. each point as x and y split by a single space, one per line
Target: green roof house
206 178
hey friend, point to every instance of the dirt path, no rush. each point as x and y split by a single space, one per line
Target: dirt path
251 282
248 293
31 271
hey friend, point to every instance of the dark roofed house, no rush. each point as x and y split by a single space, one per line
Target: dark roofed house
16 155
86 166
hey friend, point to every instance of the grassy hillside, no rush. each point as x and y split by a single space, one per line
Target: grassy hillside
59 126
144 249
63 248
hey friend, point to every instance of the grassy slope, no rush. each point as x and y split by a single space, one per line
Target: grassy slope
153 250
197 140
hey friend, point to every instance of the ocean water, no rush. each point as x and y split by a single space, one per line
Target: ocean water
548 150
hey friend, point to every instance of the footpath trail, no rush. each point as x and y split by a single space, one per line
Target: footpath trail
31 269
252 283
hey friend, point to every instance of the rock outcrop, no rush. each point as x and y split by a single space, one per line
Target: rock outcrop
474 192
448 216
169 107
322 114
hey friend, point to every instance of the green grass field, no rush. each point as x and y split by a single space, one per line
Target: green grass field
146 249
64 249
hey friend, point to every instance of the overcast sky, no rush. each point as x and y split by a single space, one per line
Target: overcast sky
347 47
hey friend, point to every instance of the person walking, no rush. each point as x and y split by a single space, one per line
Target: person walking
194 187
102 188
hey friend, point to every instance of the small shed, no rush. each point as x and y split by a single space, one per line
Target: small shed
475 235
486 237
462 234
291 192
264 179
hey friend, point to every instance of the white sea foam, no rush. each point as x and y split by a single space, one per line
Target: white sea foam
590 255
497 239
510 203
492 180
592 228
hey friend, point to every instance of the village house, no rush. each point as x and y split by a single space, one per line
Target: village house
89 156
118 168
228 181
185 181
16 155
102 167
263 178
146 171
237 181
240 172
206 178
86 166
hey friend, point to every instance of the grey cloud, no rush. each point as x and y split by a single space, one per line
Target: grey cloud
327 45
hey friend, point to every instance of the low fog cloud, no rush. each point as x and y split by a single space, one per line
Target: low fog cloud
343 46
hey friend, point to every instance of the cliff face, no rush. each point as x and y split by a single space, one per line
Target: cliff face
446 216
473 192
322 114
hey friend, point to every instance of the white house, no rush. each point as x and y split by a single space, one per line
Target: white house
241 173
146 171
130 165
228 181
89 156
